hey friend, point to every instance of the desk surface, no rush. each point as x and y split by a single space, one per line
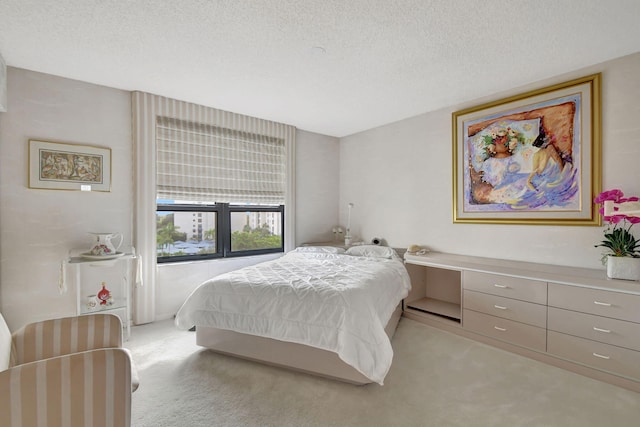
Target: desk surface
575 276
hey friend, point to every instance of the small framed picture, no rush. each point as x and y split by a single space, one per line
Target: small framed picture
62 166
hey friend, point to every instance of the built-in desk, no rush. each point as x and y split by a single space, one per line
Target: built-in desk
574 318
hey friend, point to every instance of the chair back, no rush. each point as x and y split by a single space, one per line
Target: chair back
67 335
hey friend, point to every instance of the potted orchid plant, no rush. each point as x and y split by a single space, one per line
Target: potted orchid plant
619 241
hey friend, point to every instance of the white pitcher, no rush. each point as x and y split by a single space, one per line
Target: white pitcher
103 244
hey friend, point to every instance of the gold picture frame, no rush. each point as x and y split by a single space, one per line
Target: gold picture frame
532 158
63 166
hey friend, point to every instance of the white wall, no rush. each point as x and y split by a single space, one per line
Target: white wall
317 186
38 227
399 177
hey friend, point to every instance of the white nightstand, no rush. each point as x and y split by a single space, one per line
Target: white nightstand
86 277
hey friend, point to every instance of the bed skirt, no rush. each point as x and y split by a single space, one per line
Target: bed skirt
290 355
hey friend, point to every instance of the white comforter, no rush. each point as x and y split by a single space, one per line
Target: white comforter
335 302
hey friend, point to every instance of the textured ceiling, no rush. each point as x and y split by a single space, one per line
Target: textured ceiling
334 67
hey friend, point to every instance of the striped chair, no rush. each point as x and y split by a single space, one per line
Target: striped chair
66 372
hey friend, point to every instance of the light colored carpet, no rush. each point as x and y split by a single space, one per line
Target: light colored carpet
437 379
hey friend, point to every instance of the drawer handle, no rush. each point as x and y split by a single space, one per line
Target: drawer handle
606 331
601 356
499 307
606 304
500 286
500 329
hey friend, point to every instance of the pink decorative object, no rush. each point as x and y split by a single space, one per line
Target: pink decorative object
618 239
104 295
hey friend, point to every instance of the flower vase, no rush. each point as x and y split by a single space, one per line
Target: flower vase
623 267
502 149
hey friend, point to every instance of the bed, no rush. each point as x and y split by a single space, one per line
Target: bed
322 310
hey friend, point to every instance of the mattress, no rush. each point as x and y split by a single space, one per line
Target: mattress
338 302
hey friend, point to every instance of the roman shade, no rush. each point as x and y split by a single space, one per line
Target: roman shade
197 162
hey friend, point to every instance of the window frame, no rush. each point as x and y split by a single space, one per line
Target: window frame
223 229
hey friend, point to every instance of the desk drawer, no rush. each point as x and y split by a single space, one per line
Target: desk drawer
507 308
505 330
605 357
596 328
616 305
505 286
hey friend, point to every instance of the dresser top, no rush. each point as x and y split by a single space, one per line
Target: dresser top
574 276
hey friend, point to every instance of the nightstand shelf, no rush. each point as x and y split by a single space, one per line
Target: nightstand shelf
86 277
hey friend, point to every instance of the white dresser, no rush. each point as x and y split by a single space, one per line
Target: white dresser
574 318
598 328
506 308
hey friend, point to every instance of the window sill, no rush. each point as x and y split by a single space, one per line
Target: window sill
252 258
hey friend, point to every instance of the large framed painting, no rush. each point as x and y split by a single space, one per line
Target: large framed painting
61 166
533 158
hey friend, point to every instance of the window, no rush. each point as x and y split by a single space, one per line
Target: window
226 231
220 192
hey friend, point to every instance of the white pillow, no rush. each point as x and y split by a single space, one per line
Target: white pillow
319 249
372 251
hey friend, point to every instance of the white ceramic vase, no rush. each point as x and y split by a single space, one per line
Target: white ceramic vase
621 267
